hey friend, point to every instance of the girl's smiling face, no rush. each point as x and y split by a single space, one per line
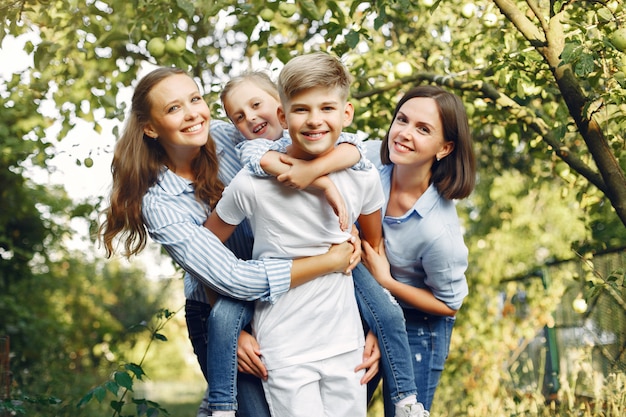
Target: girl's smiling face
253 111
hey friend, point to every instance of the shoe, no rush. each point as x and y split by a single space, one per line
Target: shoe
412 410
203 410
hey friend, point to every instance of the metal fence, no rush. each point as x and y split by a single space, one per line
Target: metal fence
587 342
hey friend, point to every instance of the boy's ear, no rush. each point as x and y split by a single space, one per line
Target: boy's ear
282 118
348 114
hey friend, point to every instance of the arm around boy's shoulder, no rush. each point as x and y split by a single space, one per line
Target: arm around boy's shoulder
354 139
250 153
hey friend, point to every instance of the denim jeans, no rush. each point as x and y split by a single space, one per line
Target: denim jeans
384 317
429 338
379 311
228 317
251 398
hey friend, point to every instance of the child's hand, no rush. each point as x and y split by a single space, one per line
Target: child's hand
299 175
375 260
336 201
371 356
249 356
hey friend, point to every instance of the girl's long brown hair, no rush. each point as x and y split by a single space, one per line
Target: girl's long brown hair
137 162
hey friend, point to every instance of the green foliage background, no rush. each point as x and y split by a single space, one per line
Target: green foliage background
543 83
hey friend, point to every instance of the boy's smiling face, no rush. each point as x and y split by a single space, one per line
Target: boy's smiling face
315 119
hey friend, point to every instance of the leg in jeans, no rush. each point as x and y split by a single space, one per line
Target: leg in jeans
196 314
227 319
385 318
429 338
250 396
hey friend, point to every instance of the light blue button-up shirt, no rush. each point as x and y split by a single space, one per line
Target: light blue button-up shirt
425 246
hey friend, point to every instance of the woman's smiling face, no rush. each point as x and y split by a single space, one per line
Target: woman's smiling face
179 116
416 135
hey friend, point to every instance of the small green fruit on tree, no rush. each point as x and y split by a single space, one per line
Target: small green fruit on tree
490 20
156 47
175 46
403 69
618 39
579 305
88 162
267 14
287 9
468 10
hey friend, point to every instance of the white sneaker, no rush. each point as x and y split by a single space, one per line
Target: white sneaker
412 410
203 410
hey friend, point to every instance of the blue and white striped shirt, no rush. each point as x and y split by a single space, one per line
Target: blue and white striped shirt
175 220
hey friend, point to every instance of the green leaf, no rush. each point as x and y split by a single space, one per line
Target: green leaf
85 399
352 39
187 7
585 65
124 380
100 393
112 386
160 337
310 9
135 369
117 406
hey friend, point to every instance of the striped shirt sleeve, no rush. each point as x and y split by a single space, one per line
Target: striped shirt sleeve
175 221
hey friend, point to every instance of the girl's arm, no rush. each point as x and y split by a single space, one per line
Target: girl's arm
421 298
300 174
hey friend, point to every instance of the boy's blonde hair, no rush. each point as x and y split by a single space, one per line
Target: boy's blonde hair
314 70
259 78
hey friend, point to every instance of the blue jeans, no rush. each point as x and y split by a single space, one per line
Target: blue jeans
383 316
251 396
379 311
429 338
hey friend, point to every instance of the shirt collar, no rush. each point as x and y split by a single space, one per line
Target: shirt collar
174 184
423 205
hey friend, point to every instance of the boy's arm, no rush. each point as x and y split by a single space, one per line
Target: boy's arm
219 227
371 228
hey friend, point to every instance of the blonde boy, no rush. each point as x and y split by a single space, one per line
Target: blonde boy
311 339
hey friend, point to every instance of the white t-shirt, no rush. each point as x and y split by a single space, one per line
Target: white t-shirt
319 319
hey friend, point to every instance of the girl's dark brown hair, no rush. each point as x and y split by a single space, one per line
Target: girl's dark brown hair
137 162
455 175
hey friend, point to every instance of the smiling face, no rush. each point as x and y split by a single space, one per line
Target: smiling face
315 119
416 136
179 116
253 111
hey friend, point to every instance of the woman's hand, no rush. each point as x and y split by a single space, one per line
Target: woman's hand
249 356
375 260
371 356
